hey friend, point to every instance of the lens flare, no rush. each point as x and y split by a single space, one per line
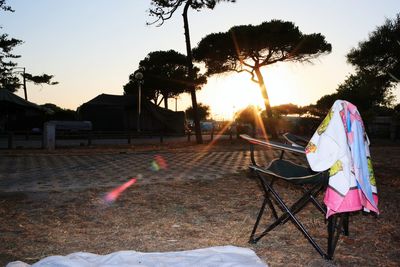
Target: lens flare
154 166
158 163
115 193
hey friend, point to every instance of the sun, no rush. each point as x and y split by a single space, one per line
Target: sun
229 93
226 94
282 86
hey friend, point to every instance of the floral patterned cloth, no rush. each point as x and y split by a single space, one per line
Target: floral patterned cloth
341 145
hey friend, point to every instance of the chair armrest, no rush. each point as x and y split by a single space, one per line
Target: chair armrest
295 140
274 145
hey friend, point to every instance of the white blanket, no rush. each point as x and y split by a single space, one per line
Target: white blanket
223 256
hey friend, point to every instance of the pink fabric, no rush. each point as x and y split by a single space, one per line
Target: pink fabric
353 201
341 145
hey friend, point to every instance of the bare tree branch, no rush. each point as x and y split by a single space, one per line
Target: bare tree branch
163 15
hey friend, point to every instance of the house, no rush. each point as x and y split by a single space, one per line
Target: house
120 113
17 114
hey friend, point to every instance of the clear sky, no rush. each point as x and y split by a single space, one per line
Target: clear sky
91 46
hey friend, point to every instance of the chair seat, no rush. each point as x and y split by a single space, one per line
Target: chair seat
293 172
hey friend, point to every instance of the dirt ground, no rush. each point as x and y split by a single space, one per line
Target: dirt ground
195 214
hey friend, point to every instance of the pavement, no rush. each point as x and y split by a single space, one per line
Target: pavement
35 141
41 172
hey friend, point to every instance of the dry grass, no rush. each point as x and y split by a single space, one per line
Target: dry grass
188 215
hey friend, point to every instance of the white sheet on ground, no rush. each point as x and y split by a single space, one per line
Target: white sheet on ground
223 256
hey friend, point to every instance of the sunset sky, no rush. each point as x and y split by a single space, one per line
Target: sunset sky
91 46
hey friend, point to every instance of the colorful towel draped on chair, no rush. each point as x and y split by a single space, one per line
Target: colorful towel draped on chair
341 145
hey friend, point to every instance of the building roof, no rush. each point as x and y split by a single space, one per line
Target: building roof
6 97
113 100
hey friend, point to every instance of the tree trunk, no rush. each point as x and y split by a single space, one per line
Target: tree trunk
264 93
166 102
268 110
196 119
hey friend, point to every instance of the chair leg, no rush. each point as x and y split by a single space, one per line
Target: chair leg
335 227
290 212
260 213
317 204
270 227
298 223
346 224
331 231
309 194
267 200
267 194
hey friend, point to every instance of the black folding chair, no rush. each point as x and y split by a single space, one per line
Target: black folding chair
311 183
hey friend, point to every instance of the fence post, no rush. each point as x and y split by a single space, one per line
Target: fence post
188 133
49 135
212 133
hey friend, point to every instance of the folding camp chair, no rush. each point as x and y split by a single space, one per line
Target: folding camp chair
311 183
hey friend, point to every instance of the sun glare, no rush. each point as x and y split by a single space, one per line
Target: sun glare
227 94
282 82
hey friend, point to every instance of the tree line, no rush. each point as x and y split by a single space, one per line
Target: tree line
247 48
